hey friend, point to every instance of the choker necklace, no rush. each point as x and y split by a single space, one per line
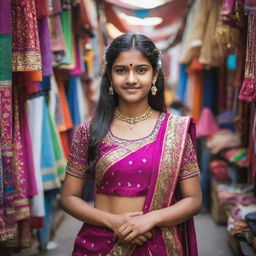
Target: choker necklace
134 120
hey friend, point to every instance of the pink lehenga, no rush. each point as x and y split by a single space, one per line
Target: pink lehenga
150 167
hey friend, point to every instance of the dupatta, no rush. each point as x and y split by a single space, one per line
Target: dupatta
162 188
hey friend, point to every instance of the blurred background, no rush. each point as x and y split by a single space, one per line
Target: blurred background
51 61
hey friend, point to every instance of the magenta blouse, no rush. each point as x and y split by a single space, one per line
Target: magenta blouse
130 176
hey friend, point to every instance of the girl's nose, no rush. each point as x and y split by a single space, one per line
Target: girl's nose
131 77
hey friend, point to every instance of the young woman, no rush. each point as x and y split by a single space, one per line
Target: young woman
142 159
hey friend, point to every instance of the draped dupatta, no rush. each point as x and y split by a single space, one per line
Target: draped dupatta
162 189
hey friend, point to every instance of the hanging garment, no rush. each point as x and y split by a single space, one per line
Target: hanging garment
41 8
66 21
83 106
195 71
182 84
49 163
249 6
26 53
7 210
248 90
35 117
72 97
45 46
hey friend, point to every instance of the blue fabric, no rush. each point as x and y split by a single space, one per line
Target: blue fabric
182 85
46 83
73 100
210 92
232 62
141 13
50 207
47 150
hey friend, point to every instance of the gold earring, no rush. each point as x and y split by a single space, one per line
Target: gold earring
154 89
110 90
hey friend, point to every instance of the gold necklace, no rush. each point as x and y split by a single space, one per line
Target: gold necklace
134 120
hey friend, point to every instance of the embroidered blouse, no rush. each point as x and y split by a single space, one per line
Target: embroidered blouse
126 173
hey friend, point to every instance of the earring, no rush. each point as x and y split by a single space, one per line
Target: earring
110 90
154 89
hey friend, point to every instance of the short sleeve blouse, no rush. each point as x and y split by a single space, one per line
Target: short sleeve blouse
189 164
77 161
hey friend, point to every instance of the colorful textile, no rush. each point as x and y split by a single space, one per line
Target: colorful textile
232 13
35 117
20 176
45 46
174 159
41 8
72 97
249 6
248 90
64 121
1 176
50 165
182 85
56 34
66 21
5 17
54 7
7 211
26 47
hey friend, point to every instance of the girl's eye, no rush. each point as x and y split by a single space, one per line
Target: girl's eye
120 70
141 70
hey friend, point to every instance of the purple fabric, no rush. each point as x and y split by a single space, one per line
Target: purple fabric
129 177
78 62
92 240
45 46
27 145
5 17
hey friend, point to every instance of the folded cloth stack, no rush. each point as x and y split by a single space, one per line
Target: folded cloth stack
222 140
239 156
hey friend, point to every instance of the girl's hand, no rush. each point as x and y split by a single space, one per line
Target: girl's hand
117 220
141 239
135 226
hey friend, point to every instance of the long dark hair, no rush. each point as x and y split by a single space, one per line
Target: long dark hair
107 103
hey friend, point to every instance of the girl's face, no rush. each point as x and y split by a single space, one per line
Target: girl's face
132 76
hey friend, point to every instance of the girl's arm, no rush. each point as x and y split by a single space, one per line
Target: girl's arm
73 204
187 207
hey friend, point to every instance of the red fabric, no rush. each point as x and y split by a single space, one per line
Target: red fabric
41 8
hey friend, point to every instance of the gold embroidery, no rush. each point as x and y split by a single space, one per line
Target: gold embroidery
108 160
168 176
29 61
173 245
121 249
170 162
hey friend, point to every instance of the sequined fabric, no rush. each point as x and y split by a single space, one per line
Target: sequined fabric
173 159
248 90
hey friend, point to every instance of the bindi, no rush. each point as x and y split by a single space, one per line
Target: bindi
130 64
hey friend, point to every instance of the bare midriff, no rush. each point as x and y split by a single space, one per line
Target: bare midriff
119 204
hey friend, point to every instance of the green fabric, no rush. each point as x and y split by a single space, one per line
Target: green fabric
66 22
5 57
59 156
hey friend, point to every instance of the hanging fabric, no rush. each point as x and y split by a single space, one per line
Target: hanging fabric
248 90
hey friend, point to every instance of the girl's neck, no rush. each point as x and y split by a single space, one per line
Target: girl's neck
132 109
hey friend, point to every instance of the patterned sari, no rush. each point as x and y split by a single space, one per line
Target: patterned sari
172 158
